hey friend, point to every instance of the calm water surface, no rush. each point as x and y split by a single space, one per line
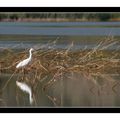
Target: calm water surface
74 90
52 30
63 28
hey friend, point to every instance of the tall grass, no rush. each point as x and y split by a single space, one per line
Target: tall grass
49 65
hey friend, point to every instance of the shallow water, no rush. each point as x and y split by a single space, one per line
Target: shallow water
60 28
22 35
73 90
64 45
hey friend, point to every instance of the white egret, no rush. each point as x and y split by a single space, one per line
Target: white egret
24 87
26 61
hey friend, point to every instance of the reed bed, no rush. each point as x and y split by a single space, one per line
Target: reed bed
49 65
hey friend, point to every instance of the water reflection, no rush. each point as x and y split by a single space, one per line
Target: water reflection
72 89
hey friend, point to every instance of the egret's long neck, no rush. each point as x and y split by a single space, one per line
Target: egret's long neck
30 54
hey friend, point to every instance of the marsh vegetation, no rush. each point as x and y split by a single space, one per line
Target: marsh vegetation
93 69
74 64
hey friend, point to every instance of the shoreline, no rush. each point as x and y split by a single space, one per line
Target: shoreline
55 20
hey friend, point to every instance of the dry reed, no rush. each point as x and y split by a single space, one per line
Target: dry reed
50 64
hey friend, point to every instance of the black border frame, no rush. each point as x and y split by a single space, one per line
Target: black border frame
59 110
60 9
66 109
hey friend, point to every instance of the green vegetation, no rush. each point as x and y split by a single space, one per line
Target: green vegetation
59 16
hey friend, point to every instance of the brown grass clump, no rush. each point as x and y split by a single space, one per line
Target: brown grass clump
51 64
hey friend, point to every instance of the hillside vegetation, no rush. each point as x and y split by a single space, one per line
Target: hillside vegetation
58 16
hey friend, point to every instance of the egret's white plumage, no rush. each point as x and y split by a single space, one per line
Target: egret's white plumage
24 87
26 61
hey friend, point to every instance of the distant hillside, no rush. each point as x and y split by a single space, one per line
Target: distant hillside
58 16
